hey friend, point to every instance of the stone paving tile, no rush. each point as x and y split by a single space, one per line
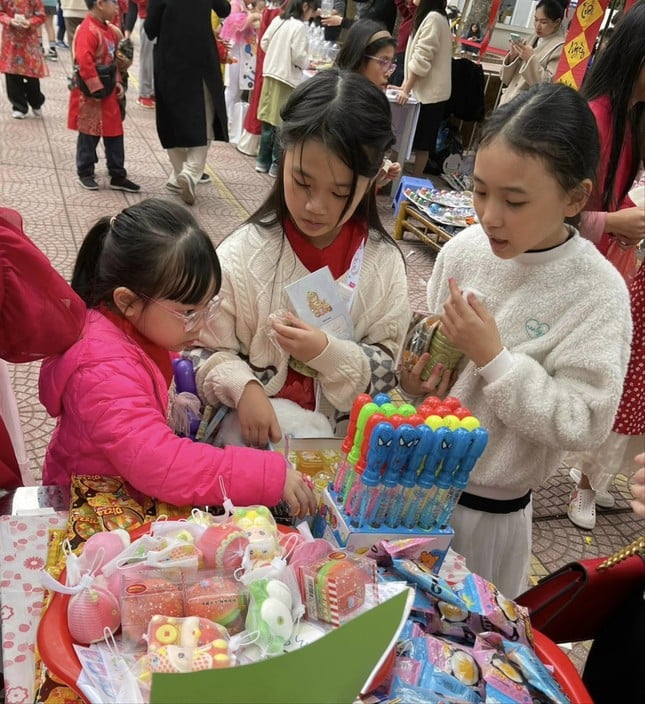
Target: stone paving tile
38 178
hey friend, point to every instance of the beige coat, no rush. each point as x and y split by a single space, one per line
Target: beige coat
518 75
429 56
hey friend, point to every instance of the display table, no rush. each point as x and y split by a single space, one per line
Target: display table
409 219
24 544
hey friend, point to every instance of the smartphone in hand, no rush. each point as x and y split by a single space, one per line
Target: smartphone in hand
516 38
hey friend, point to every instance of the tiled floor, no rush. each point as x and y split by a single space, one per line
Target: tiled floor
37 178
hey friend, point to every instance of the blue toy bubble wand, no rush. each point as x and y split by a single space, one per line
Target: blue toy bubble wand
409 478
405 442
441 440
430 511
359 467
462 475
381 439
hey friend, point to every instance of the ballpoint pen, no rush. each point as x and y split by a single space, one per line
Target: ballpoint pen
425 480
408 480
380 445
348 442
406 438
461 476
430 511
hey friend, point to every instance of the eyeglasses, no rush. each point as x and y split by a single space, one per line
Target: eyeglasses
196 318
387 65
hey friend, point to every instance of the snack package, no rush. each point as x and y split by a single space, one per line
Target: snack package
499 613
262 533
145 593
269 615
182 645
338 587
216 597
504 681
223 546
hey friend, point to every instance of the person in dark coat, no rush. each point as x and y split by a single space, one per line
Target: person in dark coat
191 110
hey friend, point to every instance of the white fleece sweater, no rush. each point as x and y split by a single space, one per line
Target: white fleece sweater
257 264
564 319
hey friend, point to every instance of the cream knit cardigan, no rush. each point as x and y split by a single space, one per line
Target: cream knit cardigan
257 263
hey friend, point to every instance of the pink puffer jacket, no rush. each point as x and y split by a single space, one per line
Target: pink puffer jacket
110 400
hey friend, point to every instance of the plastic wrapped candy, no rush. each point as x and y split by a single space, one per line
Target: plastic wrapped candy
216 597
269 615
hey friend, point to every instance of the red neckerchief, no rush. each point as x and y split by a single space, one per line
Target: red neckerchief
337 256
157 354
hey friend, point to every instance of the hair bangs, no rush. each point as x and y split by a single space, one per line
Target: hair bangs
191 271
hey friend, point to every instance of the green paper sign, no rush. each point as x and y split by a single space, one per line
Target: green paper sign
332 670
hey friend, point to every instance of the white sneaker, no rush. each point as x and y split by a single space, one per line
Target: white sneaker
37 112
17 115
603 498
582 508
186 188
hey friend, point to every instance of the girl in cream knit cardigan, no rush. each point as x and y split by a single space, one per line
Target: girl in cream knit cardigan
321 212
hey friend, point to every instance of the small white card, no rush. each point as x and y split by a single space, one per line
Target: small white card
318 300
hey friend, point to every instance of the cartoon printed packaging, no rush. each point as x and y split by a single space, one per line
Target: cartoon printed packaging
262 533
496 611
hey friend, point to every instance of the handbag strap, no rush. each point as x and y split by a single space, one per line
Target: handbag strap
637 547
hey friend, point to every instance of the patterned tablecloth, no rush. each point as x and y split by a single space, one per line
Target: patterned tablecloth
23 554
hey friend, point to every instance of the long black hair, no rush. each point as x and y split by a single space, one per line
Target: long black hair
351 117
614 73
357 44
568 146
155 248
424 8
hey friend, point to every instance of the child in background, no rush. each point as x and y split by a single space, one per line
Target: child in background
320 212
149 277
285 47
21 57
615 88
50 12
546 336
368 49
95 44
240 30
252 129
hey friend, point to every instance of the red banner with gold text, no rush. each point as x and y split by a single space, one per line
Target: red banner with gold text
580 39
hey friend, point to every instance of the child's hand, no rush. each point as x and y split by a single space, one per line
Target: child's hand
120 91
258 421
470 327
297 494
300 340
437 384
390 171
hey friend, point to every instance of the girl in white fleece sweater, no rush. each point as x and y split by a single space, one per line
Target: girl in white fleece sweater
545 340
321 212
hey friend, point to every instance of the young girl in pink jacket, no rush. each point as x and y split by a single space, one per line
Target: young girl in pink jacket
150 278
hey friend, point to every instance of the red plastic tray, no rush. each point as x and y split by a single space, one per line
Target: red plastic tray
55 643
